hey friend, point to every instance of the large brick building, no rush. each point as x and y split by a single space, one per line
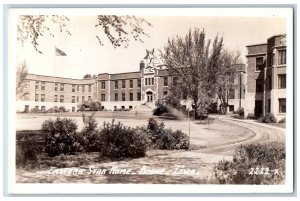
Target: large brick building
266 78
114 91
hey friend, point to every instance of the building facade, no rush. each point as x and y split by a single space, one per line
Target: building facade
266 78
114 91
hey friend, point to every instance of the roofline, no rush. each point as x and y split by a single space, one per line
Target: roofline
61 77
277 35
118 73
258 44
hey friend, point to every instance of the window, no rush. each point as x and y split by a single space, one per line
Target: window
231 94
123 107
146 81
90 88
131 84
139 82
152 79
61 87
73 99
282 81
165 81
36 85
116 97
55 86
123 96
259 85
82 99
77 87
281 57
269 82
130 107
43 86
116 84
36 97
131 96
282 105
231 108
73 88
55 98
83 88
259 63
138 96
165 93
103 97
43 97
43 108
62 98
89 98
102 85
123 84
26 108
77 99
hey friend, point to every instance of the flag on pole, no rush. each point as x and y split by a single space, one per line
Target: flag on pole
59 52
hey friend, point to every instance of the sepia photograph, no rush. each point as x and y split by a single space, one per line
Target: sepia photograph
179 100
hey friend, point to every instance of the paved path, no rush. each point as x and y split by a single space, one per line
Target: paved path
195 164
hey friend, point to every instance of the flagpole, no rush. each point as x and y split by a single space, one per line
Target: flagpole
54 79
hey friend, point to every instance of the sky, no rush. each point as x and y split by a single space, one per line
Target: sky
86 56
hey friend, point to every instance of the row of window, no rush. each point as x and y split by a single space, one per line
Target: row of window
62 87
123 96
281 83
61 98
260 63
123 84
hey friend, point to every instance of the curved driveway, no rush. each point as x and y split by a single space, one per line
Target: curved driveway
200 161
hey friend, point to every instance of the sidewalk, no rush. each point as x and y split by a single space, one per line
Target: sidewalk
250 121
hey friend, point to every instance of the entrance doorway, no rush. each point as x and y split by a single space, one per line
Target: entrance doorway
149 95
258 108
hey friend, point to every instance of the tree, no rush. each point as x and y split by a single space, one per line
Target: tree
226 74
118 29
192 63
87 76
22 72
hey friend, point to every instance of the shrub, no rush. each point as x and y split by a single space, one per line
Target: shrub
62 109
26 151
249 157
95 106
60 136
35 110
90 134
239 111
55 110
162 138
251 116
162 108
119 141
90 106
282 120
268 118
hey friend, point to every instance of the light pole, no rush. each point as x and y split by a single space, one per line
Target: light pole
189 128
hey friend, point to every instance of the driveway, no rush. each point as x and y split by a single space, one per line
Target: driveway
194 167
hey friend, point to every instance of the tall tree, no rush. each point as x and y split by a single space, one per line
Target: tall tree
22 72
192 62
118 29
227 72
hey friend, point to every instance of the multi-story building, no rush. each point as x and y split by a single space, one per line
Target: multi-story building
266 78
114 91
236 95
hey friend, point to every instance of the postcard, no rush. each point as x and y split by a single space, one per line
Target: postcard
150 100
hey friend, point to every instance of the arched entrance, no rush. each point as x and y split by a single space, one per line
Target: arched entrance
149 95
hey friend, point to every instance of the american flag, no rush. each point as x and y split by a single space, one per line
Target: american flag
59 52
